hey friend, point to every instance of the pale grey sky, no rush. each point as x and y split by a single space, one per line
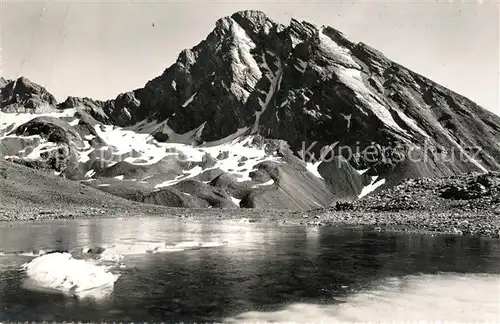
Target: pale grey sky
101 48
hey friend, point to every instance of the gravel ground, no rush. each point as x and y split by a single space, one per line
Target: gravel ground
410 221
462 205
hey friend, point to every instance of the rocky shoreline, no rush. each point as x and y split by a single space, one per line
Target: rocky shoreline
467 204
413 222
461 205
484 225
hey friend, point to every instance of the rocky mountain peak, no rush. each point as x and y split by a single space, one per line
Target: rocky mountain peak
3 82
22 94
244 23
300 83
303 30
255 16
254 22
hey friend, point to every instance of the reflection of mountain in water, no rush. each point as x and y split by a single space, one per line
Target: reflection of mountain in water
428 298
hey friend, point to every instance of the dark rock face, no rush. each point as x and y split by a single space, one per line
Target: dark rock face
63 156
230 184
22 95
124 109
292 188
465 192
482 186
209 175
342 179
216 197
92 107
11 146
223 155
207 161
307 84
174 198
52 129
462 193
168 168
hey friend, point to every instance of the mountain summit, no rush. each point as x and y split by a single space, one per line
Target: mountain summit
315 100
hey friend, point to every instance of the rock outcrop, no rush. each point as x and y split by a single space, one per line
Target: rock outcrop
22 95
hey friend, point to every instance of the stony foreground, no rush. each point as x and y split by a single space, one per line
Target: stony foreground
466 205
482 224
462 205
414 221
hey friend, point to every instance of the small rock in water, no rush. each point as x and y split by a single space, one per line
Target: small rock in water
96 250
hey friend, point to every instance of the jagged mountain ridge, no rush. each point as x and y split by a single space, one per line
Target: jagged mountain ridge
22 95
284 81
298 84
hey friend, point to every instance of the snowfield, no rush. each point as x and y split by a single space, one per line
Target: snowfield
375 183
239 154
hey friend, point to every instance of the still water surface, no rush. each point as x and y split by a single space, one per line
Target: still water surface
262 273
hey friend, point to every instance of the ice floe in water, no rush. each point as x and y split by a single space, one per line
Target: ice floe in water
118 251
87 272
425 298
376 182
60 272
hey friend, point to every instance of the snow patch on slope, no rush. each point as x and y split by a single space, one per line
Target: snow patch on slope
185 104
265 184
313 168
196 171
361 172
75 122
342 54
238 148
301 66
349 72
348 119
467 156
275 79
372 186
411 123
236 201
352 78
13 120
44 146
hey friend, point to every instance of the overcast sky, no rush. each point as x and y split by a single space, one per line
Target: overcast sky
99 49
